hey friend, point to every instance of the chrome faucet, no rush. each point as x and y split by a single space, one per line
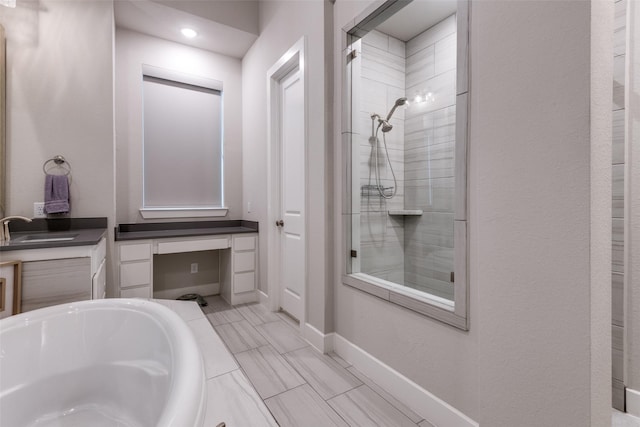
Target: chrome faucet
4 229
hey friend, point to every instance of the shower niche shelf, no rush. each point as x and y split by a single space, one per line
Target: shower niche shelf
405 212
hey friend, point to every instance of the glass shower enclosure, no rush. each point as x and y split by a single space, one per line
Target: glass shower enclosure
403 102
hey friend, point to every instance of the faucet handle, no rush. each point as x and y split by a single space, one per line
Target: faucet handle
4 230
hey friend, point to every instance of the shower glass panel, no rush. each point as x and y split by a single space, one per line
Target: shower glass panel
404 137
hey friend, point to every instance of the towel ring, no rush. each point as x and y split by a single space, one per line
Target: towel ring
60 162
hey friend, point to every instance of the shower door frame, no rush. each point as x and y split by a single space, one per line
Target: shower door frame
456 312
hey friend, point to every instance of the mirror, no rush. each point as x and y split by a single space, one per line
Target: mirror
406 65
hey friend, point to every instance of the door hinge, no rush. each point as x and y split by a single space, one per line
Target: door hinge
354 254
352 55
451 279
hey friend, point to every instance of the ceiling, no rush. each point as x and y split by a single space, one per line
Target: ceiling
230 27
165 19
416 17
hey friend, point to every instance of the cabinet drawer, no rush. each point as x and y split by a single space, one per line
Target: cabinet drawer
143 292
46 283
135 274
244 261
244 282
180 246
135 252
244 243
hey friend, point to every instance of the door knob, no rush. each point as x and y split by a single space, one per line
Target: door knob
280 223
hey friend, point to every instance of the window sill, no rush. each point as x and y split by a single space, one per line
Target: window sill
155 213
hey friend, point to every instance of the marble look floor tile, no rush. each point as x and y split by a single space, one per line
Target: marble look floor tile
217 359
386 396
302 406
215 303
227 316
620 419
282 337
187 310
362 407
257 314
339 359
232 400
283 315
324 374
240 336
268 371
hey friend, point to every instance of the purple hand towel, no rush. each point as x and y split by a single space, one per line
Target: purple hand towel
56 194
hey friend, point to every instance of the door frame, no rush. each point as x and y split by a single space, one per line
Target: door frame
292 59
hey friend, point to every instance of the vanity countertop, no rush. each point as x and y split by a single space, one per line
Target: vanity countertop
53 233
158 230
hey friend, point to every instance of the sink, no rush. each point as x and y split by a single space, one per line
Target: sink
45 237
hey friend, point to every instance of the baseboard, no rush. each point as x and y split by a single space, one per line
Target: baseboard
633 402
421 401
322 342
206 289
263 298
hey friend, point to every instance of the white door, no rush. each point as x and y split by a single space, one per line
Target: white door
292 194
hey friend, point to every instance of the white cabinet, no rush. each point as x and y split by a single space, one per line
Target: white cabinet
46 283
60 275
99 282
238 263
238 268
135 269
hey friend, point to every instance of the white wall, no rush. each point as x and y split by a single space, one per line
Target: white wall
59 101
134 49
282 24
538 339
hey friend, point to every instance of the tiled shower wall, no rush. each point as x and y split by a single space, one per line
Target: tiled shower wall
429 158
382 82
618 159
415 250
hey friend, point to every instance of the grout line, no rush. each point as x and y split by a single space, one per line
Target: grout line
285 391
383 398
286 360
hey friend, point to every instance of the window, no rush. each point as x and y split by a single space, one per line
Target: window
183 147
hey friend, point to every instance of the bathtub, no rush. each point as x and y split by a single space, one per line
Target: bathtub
110 362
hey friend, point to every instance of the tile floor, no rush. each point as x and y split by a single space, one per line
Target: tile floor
620 419
299 385
230 396
287 378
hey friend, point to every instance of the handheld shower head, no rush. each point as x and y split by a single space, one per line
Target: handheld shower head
386 126
399 102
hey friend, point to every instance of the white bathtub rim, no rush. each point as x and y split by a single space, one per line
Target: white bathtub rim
186 399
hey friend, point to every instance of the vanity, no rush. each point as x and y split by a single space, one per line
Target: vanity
63 260
235 246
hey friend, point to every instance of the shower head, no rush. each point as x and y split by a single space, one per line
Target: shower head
399 102
386 126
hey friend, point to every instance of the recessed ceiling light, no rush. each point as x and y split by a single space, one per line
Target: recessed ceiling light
188 33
